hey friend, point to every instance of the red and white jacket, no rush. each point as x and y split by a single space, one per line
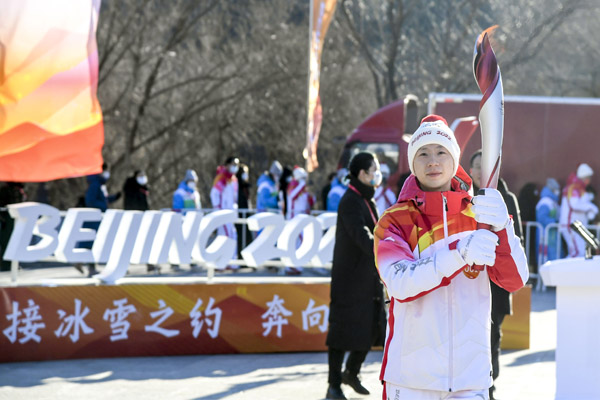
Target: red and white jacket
299 200
575 205
384 198
438 334
224 192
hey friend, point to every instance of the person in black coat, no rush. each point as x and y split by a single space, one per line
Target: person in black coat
10 193
356 315
244 236
501 299
325 190
135 191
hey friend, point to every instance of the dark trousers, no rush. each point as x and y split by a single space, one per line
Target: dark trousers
496 338
7 225
336 359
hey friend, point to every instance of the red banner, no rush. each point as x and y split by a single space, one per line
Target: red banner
50 118
322 14
44 323
51 323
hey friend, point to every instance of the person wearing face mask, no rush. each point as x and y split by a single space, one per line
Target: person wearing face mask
96 196
267 188
384 196
244 203
576 204
186 197
224 192
339 185
135 192
356 313
243 177
298 201
224 195
547 212
135 197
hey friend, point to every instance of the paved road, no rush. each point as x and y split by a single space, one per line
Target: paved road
525 374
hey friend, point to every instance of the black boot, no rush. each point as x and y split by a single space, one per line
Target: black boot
492 389
92 270
79 267
354 383
151 268
334 393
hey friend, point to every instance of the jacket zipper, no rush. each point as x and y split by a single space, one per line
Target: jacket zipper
445 218
450 320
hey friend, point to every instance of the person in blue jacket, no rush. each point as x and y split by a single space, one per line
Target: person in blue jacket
96 196
547 212
338 188
267 192
187 196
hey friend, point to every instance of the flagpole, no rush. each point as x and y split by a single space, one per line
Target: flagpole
306 132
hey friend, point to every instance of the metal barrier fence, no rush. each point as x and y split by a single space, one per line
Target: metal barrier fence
533 231
243 214
536 241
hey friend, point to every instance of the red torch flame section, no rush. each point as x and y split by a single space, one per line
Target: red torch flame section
491 112
485 66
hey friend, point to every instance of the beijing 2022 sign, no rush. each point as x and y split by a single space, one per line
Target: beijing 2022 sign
157 237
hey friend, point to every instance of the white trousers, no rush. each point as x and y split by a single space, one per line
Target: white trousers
229 231
575 243
395 392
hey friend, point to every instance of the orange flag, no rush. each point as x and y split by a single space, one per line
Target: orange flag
322 14
50 119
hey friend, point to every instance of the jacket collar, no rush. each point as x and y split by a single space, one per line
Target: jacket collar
365 191
573 183
432 203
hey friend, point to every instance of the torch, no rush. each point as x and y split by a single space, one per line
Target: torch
491 112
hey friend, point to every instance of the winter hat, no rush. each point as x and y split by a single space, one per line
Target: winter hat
552 184
191 175
299 173
433 130
276 169
341 174
584 171
385 170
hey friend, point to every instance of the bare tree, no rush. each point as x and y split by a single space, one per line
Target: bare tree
177 79
418 47
187 83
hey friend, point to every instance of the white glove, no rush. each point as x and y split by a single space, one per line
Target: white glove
479 248
490 209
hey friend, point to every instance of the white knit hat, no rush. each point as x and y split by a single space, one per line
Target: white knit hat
385 170
299 173
433 130
584 171
276 169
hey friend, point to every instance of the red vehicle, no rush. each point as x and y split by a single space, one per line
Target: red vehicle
543 136
387 133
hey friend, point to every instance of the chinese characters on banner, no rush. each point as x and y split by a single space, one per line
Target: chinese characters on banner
50 118
26 326
321 16
95 323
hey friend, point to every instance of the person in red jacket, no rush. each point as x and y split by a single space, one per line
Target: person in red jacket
436 267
